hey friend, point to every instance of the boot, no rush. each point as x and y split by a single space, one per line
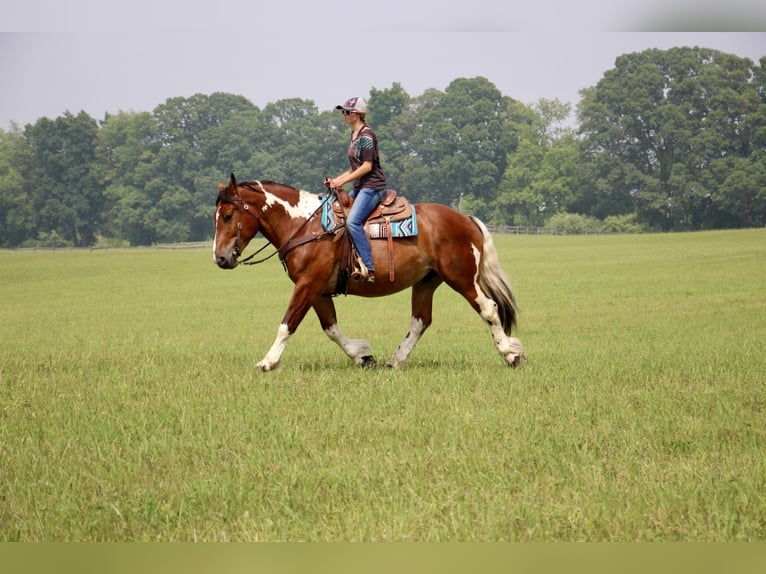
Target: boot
362 274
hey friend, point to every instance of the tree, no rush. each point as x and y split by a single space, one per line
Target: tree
306 146
463 138
17 220
197 135
393 120
67 195
128 145
655 125
668 140
542 174
743 192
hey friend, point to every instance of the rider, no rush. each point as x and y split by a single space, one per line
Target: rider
369 181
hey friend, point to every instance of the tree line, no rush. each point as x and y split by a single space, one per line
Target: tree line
666 140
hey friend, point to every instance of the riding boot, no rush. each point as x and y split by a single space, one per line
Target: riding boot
362 274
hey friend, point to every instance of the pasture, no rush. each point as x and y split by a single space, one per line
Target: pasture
130 408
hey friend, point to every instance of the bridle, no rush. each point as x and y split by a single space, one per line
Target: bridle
244 207
291 242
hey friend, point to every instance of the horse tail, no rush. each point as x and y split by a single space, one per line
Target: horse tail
494 281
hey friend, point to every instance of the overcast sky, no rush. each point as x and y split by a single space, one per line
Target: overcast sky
97 56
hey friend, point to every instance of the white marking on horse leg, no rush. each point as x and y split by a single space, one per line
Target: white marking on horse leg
510 348
271 360
402 353
356 349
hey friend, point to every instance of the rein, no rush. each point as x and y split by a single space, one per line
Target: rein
288 245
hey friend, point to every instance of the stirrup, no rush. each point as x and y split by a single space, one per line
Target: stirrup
363 275
369 278
359 278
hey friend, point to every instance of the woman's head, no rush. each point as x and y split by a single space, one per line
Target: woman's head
355 104
353 107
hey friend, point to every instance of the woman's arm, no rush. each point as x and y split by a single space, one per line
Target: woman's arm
350 175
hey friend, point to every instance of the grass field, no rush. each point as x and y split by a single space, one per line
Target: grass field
130 408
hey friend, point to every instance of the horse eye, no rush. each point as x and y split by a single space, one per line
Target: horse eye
227 217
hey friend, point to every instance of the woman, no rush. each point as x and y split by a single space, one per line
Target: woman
369 181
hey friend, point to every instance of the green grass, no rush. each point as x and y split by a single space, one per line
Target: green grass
130 408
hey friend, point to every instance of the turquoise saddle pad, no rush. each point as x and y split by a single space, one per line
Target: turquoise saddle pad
402 228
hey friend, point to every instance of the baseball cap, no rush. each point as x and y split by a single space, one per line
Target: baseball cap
355 104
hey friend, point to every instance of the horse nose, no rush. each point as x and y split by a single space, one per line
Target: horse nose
226 262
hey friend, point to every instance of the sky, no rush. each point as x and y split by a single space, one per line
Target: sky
105 57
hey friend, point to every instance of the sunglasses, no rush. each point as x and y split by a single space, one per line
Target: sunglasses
348 112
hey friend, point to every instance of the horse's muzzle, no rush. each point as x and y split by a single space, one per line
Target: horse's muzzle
226 262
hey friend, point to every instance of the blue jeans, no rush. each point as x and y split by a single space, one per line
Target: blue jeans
365 200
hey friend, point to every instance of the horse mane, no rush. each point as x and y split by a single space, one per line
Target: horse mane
253 185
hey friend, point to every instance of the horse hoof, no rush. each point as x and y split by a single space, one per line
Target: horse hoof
368 362
265 368
517 361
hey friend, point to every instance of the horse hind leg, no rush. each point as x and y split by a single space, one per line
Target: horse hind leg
488 293
510 348
495 303
358 350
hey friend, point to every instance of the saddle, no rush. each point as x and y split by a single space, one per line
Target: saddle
392 207
393 217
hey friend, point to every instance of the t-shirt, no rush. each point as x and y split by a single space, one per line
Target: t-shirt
365 148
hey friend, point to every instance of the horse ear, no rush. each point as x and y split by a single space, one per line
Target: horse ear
233 189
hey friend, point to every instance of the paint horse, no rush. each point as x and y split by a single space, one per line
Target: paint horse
449 247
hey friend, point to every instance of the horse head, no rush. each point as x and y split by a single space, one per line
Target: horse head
235 225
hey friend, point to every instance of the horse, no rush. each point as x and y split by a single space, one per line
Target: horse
450 247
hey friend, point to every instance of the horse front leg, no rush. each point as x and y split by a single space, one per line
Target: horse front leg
420 320
300 302
272 359
358 350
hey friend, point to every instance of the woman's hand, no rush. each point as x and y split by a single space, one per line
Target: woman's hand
333 182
